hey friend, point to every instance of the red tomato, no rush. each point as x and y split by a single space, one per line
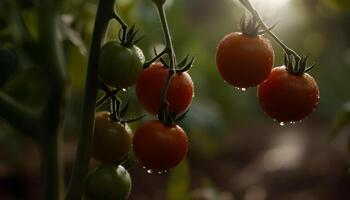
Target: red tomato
111 141
159 147
287 97
149 87
244 61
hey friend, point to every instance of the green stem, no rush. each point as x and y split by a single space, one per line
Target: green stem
51 118
52 166
170 51
255 13
80 168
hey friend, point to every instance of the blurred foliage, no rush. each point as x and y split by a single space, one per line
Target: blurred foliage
179 183
341 120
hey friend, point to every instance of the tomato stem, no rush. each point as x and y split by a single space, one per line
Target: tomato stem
103 99
80 168
255 13
148 63
123 25
163 110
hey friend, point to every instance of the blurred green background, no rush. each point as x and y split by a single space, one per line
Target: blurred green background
236 151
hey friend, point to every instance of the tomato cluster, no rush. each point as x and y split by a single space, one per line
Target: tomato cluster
245 59
165 91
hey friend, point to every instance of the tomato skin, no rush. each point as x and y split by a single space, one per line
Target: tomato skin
287 97
111 141
160 147
120 66
244 61
108 182
149 87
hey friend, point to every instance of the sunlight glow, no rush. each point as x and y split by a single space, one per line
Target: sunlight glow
270 8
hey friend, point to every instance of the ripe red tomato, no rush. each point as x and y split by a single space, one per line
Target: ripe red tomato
244 61
159 147
108 182
287 97
149 87
111 141
120 66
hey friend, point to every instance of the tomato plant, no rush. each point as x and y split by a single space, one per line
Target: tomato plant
243 60
108 182
149 88
288 97
112 140
160 147
120 65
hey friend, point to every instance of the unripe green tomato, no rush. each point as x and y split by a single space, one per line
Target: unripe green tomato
108 182
112 140
120 66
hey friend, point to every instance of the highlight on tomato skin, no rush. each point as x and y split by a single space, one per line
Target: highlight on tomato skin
150 84
159 147
286 97
244 61
111 140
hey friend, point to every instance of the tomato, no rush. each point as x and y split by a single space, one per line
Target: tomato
108 182
244 61
120 66
159 147
149 88
287 97
111 141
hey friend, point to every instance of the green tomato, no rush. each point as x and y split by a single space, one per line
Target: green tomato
112 140
108 182
120 66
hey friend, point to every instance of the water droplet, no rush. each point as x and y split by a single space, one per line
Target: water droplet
241 89
160 172
149 171
124 89
282 123
144 167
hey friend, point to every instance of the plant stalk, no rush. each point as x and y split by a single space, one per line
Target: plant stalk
80 169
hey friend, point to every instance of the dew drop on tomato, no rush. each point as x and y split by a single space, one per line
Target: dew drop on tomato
241 89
